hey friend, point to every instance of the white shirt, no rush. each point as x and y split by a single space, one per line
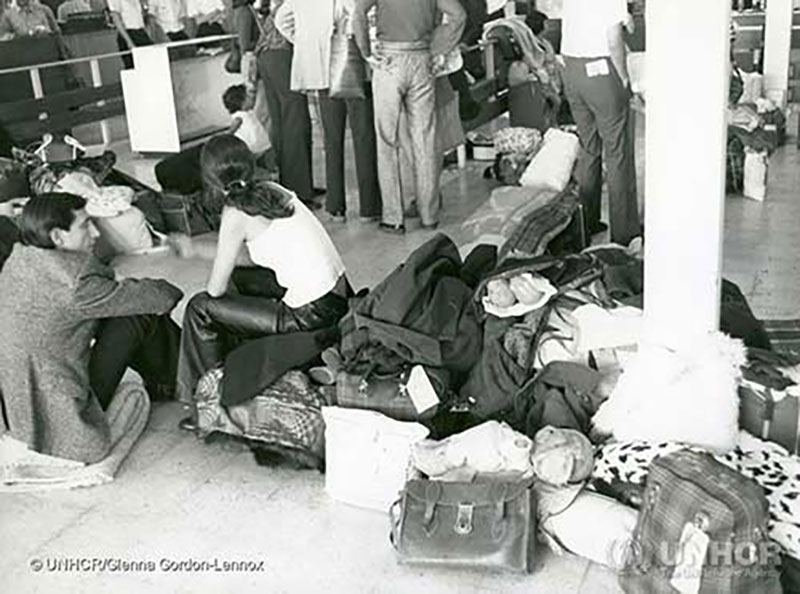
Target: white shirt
168 14
130 11
585 23
302 255
252 132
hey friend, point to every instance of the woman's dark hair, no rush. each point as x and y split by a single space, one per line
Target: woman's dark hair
233 98
41 214
229 170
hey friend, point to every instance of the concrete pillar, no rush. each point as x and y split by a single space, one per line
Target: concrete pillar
687 86
777 43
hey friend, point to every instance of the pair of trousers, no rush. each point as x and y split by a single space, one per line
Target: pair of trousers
360 112
404 82
601 108
146 343
213 327
139 38
290 124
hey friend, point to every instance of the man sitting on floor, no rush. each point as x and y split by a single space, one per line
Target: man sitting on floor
55 298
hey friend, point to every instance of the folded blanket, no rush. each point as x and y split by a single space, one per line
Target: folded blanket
22 469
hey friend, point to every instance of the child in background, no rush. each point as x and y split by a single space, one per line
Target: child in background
240 100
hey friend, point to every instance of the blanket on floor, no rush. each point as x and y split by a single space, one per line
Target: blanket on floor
22 469
767 463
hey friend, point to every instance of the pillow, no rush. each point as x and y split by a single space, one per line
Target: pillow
552 166
595 527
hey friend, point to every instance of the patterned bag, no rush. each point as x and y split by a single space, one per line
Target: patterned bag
517 140
702 528
285 417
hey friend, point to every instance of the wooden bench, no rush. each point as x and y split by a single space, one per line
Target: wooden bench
29 119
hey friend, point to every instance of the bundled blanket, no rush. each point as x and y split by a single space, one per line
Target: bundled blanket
22 469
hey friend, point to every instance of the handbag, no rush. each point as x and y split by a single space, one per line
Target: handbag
489 525
187 214
347 69
13 180
387 393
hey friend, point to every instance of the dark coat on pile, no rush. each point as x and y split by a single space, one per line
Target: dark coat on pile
423 312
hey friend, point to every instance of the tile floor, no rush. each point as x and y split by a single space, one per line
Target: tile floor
177 499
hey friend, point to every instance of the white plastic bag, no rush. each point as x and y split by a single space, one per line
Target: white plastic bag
552 166
367 456
755 174
125 233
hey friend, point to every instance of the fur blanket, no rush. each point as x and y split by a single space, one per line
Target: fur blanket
688 395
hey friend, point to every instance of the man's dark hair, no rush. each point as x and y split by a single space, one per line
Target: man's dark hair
44 213
233 98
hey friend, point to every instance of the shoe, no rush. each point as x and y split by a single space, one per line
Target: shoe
368 219
188 424
337 217
598 227
429 226
393 229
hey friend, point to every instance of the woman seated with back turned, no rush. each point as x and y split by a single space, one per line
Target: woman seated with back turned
285 243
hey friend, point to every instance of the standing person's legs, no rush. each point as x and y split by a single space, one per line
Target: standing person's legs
334 116
420 103
386 89
273 100
589 167
610 101
362 115
294 156
146 343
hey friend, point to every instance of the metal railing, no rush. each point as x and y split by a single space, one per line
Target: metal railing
34 70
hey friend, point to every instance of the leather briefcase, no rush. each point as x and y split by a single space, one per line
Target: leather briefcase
488 525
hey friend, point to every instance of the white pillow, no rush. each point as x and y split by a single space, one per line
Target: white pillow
552 166
595 527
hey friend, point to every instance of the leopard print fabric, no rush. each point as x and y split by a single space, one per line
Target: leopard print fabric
767 463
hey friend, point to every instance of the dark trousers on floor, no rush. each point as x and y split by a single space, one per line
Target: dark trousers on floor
139 38
146 343
290 124
600 105
335 113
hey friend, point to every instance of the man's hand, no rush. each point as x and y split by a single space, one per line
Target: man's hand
375 62
181 244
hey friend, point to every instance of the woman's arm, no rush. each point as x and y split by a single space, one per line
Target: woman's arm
236 123
229 244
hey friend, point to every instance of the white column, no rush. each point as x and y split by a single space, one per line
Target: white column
687 84
777 43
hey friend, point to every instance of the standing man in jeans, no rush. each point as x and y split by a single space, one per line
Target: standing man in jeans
598 89
409 45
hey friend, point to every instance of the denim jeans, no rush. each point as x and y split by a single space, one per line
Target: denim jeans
404 82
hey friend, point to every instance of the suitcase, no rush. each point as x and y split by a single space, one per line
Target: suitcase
702 529
772 415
